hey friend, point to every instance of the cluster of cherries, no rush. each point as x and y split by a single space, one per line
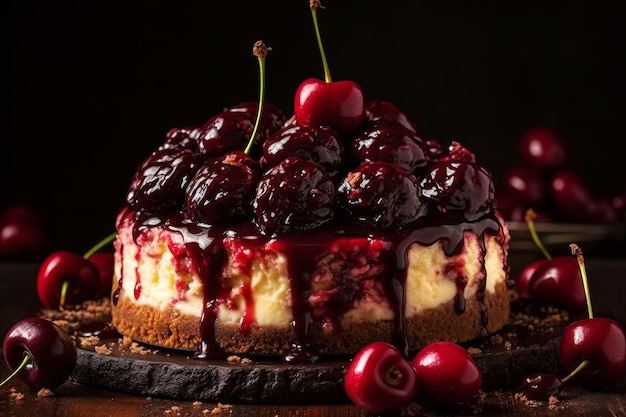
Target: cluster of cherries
545 182
64 279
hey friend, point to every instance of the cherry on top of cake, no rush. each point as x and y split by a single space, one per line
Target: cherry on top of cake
300 177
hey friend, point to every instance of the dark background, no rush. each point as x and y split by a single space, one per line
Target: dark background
89 89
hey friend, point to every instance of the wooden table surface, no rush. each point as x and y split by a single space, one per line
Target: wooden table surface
18 300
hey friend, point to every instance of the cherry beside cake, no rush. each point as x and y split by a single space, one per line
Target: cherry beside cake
315 242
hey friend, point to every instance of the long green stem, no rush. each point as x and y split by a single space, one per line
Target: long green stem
316 4
575 371
530 221
583 272
17 370
260 51
100 244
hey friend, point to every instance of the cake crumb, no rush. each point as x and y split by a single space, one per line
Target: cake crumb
233 359
508 345
89 341
103 349
16 395
45 392
474 351
197 403
173 410
496 339
246 361
219 409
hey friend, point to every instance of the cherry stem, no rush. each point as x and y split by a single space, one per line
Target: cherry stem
64 288
17 370
583 272
575 371
260 51
316 4
530 218
100 244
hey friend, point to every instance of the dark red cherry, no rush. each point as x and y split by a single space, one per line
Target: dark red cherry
104 262
389 142
319 144
601 341
380 194
338 105
619 204
559 282
384 110
22 233
543 148
294 196
231 129
222 190
182 137
573 198
80 276
457 185
523 278
158 186
526 185
540 386
46 353
446 375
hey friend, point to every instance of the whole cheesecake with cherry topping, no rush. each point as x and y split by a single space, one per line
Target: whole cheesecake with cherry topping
314 244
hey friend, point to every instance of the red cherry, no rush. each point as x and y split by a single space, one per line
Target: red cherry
558 282
525 184
542 147
22 234
379 379
574 201
540 386
40 352
104 262
338 105
601 341
66 268
446 375
522 281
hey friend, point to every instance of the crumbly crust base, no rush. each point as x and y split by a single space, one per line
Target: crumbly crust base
173 330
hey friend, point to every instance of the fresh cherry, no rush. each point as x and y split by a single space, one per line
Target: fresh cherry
447 375
379 379
104 262
543 148
593 349
540 386
384 110
40 352
556 281
573 199
66 278
22 234
525 184
339 104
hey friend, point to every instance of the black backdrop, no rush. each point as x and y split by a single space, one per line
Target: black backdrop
90 88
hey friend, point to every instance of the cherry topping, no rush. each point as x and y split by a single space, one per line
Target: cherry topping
390 142
158 186
222 190
384 110
184 137
339 104
319 144
459 185
40 352
381 194
294 196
